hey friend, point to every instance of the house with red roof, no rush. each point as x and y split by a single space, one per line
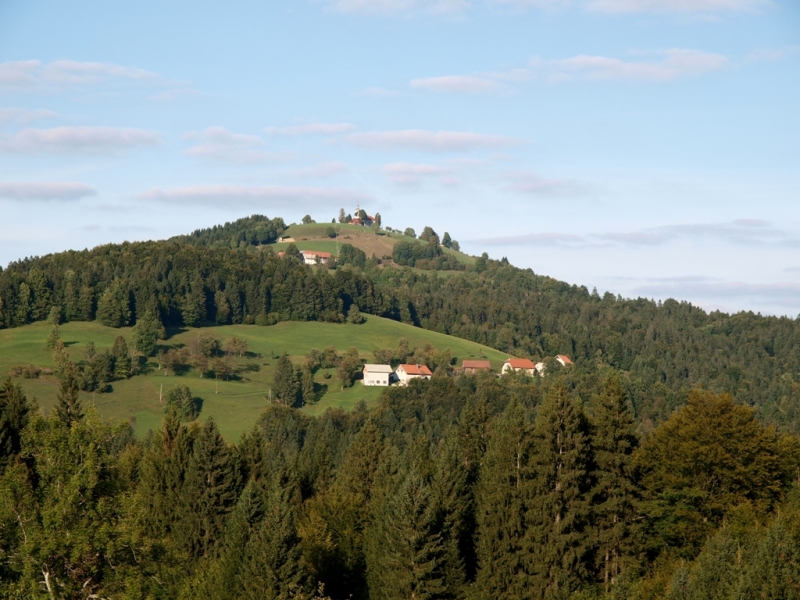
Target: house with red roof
564 360
519 364
314 257
470 367
406 373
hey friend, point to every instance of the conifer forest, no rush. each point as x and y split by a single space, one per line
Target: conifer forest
663 464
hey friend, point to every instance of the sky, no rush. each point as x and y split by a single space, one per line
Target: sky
650 148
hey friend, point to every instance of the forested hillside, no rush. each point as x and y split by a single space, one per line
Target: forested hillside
223 275
470 487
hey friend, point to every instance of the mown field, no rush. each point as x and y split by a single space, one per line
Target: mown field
312 237
235 404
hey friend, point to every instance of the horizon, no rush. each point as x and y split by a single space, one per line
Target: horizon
648 148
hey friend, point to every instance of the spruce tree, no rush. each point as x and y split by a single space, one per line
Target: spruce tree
503 574
284 387
14 416
307 386
69 408
147 331
614 493
273 567
209 492
410 546
557 509
122 359
774 570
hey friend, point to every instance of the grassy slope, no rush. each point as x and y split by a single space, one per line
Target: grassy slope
312 237
235 405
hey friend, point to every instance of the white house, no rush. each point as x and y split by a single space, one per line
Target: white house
564 360
377 374
519 364
313 257
406 373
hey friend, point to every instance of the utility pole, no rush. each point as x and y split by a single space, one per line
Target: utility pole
160 393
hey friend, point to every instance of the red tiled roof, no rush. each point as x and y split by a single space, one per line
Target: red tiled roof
520 363
316 253
476 364
565 358
416 369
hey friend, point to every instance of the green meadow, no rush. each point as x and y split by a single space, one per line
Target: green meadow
236 404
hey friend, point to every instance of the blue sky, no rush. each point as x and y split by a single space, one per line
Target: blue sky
646 147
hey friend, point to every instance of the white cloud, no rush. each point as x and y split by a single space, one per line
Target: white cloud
65 190
77 140
528 182
312 129
322 170
742 232
413 174
432 141
771 54
24 116
60 73
671 64
390 7
255 195
677 6
457 83
221 144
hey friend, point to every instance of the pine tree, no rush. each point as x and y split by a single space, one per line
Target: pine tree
113 308
69 408
557 510
284 387
226 581
503 573
774 571
53 337
209 492
411 552
122 359
455 511
614 493
307 386
14 416
147 331
273 566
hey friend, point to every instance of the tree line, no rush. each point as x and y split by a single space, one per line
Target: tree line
666 348
471 488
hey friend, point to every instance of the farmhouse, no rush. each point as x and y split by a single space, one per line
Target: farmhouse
564 360
377 374
470 367
519 364
406 373
313 257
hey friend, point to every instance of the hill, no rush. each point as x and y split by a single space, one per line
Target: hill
228 275
237 404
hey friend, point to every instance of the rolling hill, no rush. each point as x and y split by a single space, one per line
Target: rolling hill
235 405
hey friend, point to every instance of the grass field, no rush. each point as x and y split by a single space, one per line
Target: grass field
312 237
235 405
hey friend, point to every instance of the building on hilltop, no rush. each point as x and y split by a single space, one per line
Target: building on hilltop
358 219
519 364
406 373
377 374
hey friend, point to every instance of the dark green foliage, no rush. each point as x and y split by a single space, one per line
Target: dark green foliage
14 415
273 567
209 492
147 331
710 457
350 255
284 384
180 399
557 513
615 492
113 308
68 406
255 230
